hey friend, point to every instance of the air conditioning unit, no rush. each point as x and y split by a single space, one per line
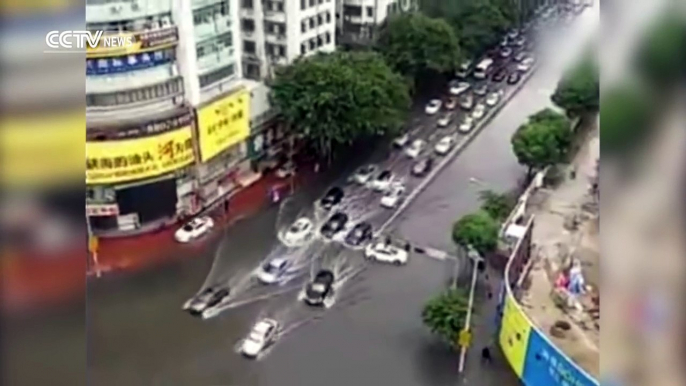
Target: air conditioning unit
135 7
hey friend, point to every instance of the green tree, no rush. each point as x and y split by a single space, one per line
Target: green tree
416 45
478 230
334 99
445 314
578 92
662 54
498 206
544 140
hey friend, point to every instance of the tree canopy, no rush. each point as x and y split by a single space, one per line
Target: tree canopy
478 230
337 98
445 314
498 206
578 92
414 44
544 140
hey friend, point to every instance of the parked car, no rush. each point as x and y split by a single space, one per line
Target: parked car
481 89
299 231
392 197
525 65
415 149
194 229
359 235
332 198
506 52
334 224
467 102
493 98
422 167
364 174
445 120
513 33
382 181
451 104
499 75
402 140
444 145
466 125
514 77
464 70
262 335
320 288
519 42
273 270
433 106
386 253
479 111
521 55
458 88
207 298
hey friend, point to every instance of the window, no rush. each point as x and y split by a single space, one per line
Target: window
312 3
225 40
247 25
303 27
328 17
320 41
312 44
320 19
200 51
247 4
303 49
312 22
328 38
216 76
248 47
303 4
370 11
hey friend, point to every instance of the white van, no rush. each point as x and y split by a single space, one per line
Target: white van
464 69
483 69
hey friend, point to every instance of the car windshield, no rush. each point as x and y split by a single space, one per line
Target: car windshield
434 103
295 228
188 227
272 266
366 169
318 287
256 337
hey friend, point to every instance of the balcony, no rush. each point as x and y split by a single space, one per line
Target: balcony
196 4
275 16
278 60
276 38
100 84
126 10
216 27
216 60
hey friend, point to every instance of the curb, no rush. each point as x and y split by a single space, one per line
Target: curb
457 150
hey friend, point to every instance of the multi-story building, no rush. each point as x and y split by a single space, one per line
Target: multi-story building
168 118
357 21
276 32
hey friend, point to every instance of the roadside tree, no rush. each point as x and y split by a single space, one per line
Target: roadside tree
418 46
478 230
497 205
445 314
336 99
578 92
544 140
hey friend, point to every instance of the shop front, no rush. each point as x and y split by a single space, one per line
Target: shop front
138 178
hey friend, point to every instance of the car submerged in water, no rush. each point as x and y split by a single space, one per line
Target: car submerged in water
273 270
319 289
334 224
206 299
359 235
333 197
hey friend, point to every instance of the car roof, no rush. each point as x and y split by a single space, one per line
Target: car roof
277 261
363 225
263 325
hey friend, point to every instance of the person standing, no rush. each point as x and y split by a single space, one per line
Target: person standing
485 355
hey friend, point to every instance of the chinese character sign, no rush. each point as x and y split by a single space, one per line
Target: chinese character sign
134 159
223 123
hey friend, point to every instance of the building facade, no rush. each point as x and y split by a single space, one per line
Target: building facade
358 21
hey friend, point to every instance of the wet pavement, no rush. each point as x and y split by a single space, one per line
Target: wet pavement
371 334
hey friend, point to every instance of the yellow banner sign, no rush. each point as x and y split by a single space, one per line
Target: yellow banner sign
42 150
133 159
144 41
223 123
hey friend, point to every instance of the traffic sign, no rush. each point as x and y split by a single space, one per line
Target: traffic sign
465 338
93 244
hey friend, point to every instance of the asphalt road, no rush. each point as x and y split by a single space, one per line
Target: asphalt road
372 334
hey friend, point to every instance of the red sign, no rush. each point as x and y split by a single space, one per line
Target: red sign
102 210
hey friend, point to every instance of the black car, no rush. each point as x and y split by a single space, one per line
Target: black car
423 167
499 75
334 224
360 234
208 298
514 77
332 198
481 89
320 288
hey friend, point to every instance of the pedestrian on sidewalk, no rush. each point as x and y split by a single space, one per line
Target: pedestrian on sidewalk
485 355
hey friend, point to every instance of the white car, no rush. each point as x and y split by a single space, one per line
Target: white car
364 174
526 64
392 197
467 102
299 231
493 98
273 270
458 88
466 125
433 106
416 148
386 253
479 111
263 334
444 145
286 170
402 140
382 182
444 121
194 229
